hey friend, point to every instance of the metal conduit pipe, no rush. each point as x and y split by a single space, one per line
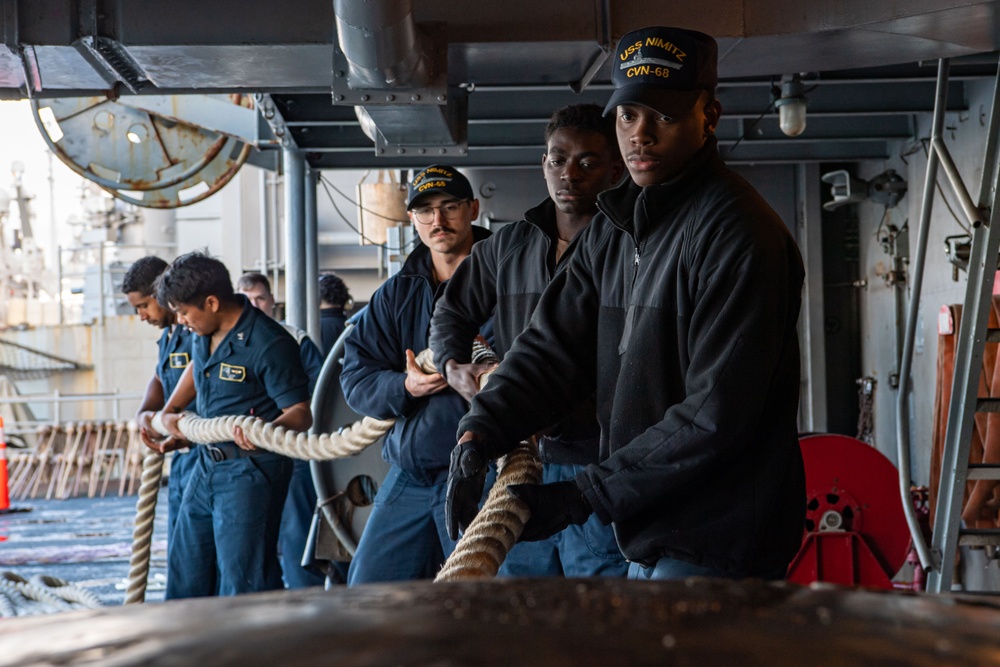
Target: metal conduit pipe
381 42
294 165
906 362
312 325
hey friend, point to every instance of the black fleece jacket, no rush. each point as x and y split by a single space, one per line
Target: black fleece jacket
679 307
505 276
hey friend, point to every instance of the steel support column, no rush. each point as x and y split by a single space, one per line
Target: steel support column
811 323
294 165
312 258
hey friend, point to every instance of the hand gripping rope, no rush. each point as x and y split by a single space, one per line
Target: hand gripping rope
479 553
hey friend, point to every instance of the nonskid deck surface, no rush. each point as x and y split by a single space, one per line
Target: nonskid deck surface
86 541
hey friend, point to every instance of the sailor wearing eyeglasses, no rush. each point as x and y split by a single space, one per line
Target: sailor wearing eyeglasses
406 536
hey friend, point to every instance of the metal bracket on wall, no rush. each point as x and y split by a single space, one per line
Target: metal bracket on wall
269 113
112 62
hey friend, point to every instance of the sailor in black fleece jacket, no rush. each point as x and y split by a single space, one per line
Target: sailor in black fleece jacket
508 273
679 307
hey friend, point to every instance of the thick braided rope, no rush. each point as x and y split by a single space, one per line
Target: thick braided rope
309 447
66 591
346 442
43 594
26 597
296 444
142 534
491 535
7 608
485 544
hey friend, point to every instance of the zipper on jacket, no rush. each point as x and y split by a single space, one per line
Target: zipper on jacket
630 312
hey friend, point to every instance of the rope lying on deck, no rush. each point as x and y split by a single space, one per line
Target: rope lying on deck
41 594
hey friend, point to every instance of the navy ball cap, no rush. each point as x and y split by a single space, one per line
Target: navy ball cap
439 178
664 69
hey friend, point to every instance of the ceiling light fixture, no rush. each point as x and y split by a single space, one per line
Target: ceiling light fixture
791 105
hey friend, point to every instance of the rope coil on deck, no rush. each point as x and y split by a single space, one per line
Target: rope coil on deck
41 595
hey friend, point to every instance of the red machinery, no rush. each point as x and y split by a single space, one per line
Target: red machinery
856 531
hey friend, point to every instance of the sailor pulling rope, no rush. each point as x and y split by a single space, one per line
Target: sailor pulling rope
478 554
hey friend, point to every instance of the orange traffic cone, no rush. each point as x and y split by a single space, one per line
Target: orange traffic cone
4 492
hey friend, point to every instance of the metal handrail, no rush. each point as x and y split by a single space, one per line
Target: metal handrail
57 399
912 313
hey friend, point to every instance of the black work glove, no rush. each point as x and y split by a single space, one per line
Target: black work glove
466 477
553 507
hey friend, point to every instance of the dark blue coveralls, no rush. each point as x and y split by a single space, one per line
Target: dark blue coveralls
226 536
406 536
300 504
174 357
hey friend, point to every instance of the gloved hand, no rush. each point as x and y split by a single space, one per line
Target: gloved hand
553 507
466 476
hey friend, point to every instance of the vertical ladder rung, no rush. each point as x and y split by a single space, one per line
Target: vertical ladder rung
979 537
988 405
983 471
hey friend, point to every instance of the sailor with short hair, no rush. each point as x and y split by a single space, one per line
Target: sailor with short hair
243 363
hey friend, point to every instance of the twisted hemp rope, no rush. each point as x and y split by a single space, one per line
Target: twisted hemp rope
346 442
142 534
485 544
41 595
491 535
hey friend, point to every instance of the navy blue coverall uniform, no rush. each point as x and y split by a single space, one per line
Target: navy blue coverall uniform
174 357
226 537
300 504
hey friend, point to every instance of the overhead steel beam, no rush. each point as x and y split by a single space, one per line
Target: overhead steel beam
259 48
499 157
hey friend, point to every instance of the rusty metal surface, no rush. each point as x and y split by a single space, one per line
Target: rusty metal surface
524 622
156 160
205 182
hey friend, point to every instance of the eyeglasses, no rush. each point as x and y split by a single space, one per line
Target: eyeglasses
450 211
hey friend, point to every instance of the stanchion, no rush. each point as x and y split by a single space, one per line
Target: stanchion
5 507
4 491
